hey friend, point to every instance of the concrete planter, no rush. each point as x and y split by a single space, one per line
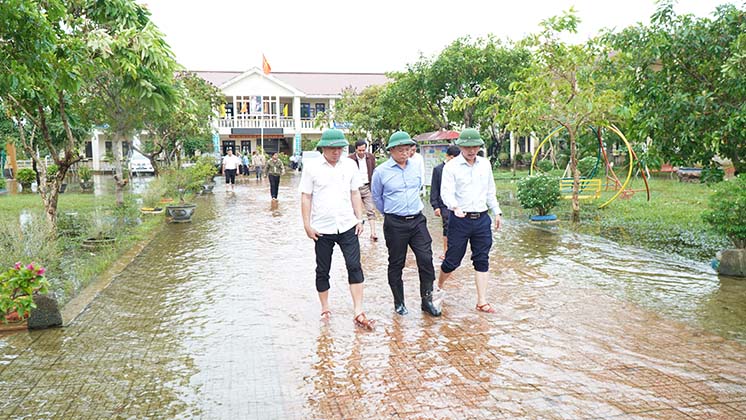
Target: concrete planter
549 218
180 213
95 244
733 263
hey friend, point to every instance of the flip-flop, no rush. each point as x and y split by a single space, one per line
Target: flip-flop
361 321
487 308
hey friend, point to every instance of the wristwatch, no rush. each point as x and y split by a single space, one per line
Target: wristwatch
361 221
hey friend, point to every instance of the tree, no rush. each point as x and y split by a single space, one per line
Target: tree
684 80
44 56
131 78
366 113
564 85
186 125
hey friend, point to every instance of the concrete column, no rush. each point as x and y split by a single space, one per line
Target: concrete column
95 151
512 146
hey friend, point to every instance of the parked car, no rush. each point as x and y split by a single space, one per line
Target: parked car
140 164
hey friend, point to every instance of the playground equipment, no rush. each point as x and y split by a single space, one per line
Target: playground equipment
590 188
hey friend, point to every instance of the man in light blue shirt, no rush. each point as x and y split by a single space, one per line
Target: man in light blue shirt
396 193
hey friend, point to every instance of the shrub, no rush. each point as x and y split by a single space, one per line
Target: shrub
503 158
26 176
562 161
539 192
586 165
85 173
205 168
526 158
728 210
17 288
712 175
545 165
2 184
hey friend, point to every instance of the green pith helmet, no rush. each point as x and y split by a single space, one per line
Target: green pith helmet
333 138
469 137
399 138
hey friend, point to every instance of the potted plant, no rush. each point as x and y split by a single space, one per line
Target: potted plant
726 215
18 285
26 177
3 186
151 198
100 234
86 178
183 183
205 169
540 193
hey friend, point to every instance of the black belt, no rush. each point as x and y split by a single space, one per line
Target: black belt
396 216
475 214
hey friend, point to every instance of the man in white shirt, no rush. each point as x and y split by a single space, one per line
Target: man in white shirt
366 164
332 214
468 191
231 163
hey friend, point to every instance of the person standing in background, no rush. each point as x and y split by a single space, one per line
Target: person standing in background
274 169
258 161
416 158
366 164
231 163
439 207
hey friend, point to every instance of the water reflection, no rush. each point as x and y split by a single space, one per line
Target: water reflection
219 319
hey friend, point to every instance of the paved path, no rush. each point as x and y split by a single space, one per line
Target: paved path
226 326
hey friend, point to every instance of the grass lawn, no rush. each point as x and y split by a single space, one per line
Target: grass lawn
671 221
24 236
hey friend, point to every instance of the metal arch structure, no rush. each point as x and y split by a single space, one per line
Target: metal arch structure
630 154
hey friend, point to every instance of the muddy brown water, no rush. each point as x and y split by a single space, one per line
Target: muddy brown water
219 319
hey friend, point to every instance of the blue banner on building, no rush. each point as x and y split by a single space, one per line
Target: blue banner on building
296 148
216 142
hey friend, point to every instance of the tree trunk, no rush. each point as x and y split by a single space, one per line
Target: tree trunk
575 175
119 180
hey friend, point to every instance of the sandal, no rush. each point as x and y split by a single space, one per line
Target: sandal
361 321
374 238
325 316
487 308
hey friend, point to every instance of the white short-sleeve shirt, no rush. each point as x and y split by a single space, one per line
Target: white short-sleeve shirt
330 186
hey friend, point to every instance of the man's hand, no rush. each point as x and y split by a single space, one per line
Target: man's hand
312 233
359 228
498 222
437 212
459 213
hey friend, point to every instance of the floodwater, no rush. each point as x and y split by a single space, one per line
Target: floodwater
220 319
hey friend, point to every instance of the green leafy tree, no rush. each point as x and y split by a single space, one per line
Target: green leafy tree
684 79
564 85
366 113
186 126
539 192
41 79
131 73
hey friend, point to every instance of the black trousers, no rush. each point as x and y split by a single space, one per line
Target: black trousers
230 176
324 248
274 184
401 233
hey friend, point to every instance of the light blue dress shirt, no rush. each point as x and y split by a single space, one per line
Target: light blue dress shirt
396 190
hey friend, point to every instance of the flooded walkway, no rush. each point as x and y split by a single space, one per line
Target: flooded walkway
218 319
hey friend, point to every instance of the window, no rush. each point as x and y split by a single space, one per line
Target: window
320 108
305 110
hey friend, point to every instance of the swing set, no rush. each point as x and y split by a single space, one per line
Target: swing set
590 186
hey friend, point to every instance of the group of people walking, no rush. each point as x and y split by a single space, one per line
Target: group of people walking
338 195
273 168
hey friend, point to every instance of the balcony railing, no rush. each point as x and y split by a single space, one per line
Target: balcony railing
273 122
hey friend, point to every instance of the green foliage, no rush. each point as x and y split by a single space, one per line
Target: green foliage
712 174
2 184
17 288
526 158
539 192
85 173
157 189
503 158
586 165
52 170
205 168
545 165
71 225
26 176
284 158
684 83
728 210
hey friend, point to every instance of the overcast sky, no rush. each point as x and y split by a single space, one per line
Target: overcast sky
366 36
